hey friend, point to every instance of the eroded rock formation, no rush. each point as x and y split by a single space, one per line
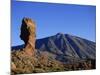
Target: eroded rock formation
28 35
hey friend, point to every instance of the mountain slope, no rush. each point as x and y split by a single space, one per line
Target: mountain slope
66 48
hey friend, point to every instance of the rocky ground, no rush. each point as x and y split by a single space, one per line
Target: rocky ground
24 64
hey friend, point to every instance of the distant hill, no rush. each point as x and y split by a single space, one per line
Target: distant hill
65 48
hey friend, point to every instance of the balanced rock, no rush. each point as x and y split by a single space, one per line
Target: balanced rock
28 35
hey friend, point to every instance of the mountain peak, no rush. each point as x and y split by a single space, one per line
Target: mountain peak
60 33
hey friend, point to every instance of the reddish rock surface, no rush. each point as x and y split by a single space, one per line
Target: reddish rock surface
28 35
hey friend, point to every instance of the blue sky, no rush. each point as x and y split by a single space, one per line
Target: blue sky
51 18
